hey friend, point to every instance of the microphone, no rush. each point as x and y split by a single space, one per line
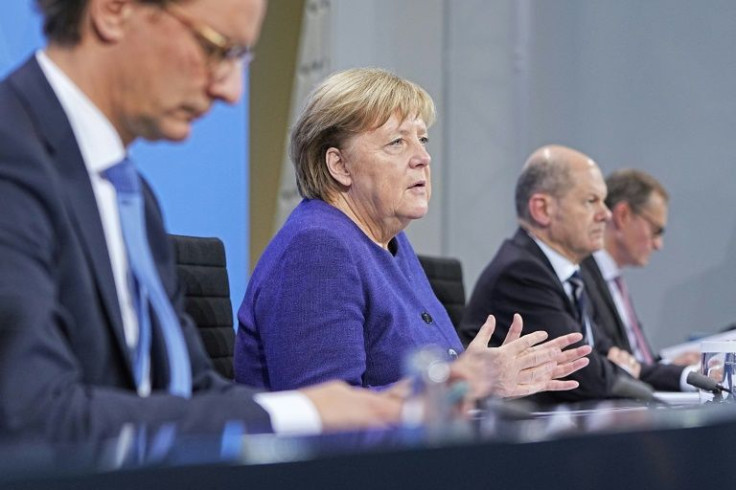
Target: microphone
705 383
628 387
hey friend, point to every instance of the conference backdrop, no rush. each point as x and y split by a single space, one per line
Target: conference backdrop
633 84
202 183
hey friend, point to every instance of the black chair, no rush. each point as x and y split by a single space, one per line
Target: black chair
446 278
201 264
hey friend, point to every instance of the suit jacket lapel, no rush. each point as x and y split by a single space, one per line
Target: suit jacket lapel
56 132
523 240
593 273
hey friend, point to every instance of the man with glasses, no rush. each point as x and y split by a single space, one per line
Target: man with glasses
93 336
638 204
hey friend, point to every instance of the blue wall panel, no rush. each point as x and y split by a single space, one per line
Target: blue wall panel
20 34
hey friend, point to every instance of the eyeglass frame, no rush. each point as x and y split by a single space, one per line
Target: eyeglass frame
218 48
655 228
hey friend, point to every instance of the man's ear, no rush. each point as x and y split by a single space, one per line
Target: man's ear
108 18
336 164
621 214
541 208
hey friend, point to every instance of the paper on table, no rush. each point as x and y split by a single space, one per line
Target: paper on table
678 398
669 353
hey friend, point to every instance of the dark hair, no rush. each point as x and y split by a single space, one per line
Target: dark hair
633 187
62 19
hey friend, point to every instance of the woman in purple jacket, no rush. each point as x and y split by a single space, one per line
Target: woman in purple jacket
339 292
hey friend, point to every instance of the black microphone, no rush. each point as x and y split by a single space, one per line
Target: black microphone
705 383
627 387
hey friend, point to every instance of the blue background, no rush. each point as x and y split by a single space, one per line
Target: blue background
202 184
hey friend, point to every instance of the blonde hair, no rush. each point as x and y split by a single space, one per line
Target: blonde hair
345 104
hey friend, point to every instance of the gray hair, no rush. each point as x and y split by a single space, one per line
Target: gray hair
541 173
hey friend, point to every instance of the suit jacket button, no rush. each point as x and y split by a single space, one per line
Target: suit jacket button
426 317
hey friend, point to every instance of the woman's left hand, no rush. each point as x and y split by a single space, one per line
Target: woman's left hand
522 365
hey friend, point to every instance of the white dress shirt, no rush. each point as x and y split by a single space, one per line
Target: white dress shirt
564 268
101 148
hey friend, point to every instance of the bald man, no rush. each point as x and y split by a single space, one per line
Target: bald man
562 218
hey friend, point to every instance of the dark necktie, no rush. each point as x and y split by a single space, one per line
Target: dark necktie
146 286
580 299
642 348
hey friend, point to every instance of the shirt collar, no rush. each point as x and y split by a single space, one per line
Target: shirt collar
561 264
98 141
609 269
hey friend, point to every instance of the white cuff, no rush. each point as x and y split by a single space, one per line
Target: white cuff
292 413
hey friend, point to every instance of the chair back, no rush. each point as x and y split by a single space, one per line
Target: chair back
201 267
446 278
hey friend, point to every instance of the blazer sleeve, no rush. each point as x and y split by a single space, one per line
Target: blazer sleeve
309 313
662 377
46 388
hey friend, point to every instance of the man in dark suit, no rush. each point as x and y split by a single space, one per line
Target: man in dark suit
72 313
638 204
562 215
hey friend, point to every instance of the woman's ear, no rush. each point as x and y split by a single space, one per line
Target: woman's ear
336 165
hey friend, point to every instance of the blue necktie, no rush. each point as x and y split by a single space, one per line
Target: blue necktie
581 305
146 285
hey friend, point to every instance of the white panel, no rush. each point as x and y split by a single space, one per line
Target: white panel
314 62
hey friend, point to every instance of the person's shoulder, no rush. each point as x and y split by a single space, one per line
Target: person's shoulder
20 137
515 264
16 132
315 222
512 255
313 231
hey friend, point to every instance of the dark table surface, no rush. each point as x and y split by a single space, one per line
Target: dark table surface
602 446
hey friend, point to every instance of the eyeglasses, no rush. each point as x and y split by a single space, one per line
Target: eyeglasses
656 229
221 52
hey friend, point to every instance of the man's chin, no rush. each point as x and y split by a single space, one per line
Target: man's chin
597 244
643 262
174 133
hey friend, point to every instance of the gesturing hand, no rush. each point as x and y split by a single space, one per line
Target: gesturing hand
522 365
